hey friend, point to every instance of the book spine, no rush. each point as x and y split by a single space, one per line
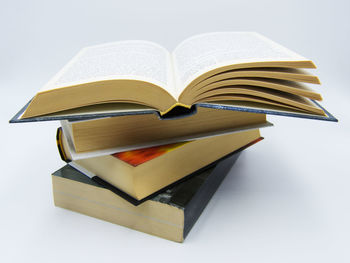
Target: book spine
60 147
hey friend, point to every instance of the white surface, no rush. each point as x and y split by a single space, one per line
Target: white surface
287 198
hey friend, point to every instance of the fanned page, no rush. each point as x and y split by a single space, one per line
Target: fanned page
134 59
234 65
203 53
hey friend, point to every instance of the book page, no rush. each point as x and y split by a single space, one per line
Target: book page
141 60
199 54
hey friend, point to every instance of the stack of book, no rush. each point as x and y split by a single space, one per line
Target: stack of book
149 135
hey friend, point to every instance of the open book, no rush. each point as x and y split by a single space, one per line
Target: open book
232 69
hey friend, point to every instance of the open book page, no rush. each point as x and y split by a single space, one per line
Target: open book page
140 60
205 52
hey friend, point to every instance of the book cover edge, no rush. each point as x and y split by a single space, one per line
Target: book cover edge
16 118
203 195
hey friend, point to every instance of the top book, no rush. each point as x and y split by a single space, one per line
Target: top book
241 69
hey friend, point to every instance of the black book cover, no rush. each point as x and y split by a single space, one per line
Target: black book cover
179 112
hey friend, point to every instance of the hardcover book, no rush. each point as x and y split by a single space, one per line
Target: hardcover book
140 173
170 215
139 131
240 71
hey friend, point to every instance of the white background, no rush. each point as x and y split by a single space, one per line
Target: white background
286 200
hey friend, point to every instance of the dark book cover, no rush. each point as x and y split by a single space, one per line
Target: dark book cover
177 112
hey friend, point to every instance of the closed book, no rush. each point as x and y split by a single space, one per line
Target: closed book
140 173
170 215
139 131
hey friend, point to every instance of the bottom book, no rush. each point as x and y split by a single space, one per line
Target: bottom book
171 214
